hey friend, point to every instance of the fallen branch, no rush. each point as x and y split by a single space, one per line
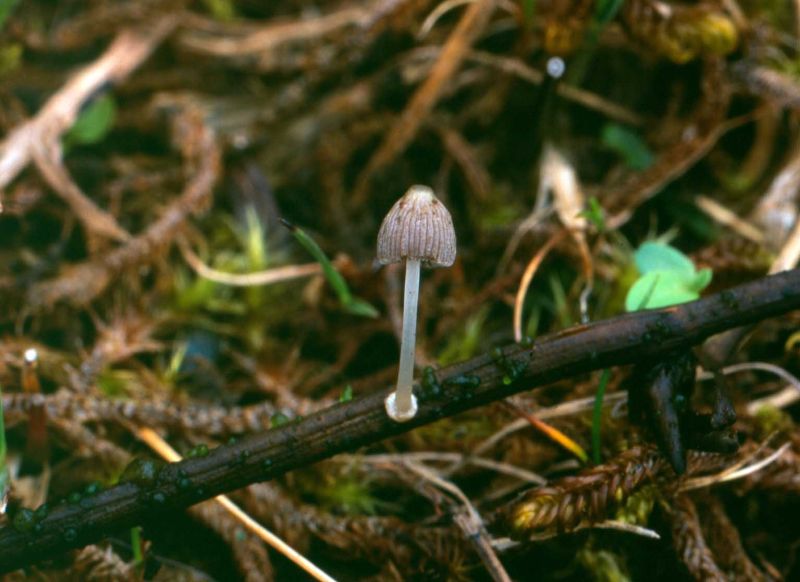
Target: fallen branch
618 341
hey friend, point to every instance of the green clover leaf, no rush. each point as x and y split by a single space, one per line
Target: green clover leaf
668 277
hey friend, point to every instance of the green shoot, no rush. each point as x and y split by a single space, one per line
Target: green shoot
136 546
253 239
597 414
595 214
175 363
534 319
347 394
350 303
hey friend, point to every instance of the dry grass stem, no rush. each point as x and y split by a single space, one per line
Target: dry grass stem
267 277
527 277
154 441
726 217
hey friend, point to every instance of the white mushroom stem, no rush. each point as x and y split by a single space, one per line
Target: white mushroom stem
401 404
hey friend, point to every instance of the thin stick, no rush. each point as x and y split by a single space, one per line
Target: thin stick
735 472
163 448
469 521
83 282
527 277
48 158
726 217
504 468
267 39
786 397
267 277
519 69
761 366
440 10
790 252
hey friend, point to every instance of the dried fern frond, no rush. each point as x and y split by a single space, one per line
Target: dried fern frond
585 498
593 495
690 545
724 540
81 408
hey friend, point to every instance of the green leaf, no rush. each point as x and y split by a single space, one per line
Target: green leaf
628 145
640 299
351 304
358 306
136 545
659 289
333 276
655 256
668 277
94 122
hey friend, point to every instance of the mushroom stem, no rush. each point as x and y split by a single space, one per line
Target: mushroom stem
401 405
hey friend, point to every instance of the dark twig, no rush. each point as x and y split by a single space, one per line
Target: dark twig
347 426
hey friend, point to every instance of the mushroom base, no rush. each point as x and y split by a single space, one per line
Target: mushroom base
400 416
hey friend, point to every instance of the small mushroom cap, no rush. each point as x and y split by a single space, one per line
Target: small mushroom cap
418 227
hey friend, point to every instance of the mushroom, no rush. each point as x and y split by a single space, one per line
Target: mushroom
418 230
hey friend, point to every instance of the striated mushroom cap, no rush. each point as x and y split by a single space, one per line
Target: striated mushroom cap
418 227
